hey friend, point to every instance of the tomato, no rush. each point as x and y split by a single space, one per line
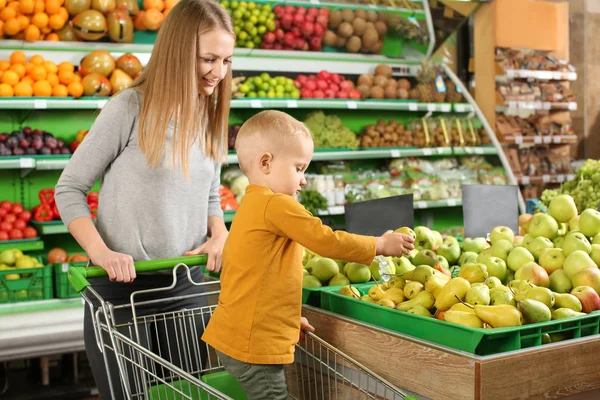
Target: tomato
3 213
19 224
10 218
3 236
15 234
6 226
17 208
25 216
6 205
29 233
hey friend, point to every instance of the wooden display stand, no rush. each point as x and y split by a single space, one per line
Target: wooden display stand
550 371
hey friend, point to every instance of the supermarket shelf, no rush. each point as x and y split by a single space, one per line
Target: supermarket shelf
560 178
67 103
23 245
541 75
437 203
465 151
50 228
568 139
48 164
536 105
17 163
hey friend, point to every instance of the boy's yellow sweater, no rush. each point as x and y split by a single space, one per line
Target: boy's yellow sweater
257 319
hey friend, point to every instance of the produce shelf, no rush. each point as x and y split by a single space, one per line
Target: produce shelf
541 75
23 245
50 227
54 163
559 178
536 105
17 162
42 103
569 139
484 150
437 203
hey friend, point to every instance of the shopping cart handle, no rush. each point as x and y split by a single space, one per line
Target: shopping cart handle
78 276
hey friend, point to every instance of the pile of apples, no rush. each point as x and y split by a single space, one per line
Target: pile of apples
548 273
326 85
297 28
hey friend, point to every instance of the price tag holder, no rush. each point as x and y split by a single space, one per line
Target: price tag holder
547 139
40 104
256 104
478 150
352 105
446 108
292 104
525 180
460 108
558 76
556 139
572 106
519 139
561 178
413 107
545 178
431 107
488 206
374 217
452 203
537 139
421 205
427 152
26 162
395 153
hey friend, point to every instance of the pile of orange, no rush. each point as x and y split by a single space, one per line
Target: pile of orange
38 77
32 20
153 15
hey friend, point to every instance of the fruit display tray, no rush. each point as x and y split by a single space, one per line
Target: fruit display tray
62 287
37 285
473 340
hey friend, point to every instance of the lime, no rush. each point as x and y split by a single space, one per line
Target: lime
265 76
253 32
265 86
252 94
243 35
262 94
251 6
244 88
249 44
266 7
249 26
271 94
270 26
237 30
289 87
253 20
225 4
255 13
281 80
273 82
243 4
234 5
295 94
257 40
262 20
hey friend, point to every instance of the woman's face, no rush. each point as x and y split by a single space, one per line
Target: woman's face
214 59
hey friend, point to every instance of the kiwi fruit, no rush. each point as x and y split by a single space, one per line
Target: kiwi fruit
370 38
377 92
341 42
360 13
345 30
353 44
390 92
380 80
383 70
330 39
414 94
359 26
370 25
364 91
402 94
382 16
372 16
347 15
376 49
392 83
404 84
381 28
365 79
335 18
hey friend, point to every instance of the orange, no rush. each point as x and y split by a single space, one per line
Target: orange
63 13
51 68
1 29
15 6
38 73
52 37
10 77
166 12
2 4
29 66
52 6
26 6
36 59
4 65
24 21
154 4
32 33
65 76
75 89
138 21
56 22
6 90
27 79
8 13
170 3
53 79
65 65
39 7
40 20
42 89
19 69
23 89
60 91
12 26
153 19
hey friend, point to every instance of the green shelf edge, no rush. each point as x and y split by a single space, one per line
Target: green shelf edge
23 245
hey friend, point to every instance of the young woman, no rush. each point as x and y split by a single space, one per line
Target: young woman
157 148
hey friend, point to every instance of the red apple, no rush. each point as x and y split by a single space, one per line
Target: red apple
334 87
3 235
306 94
342 94
302 79
10 218
321 84
308 28
25 216
17 208
29 233
323 21
301 10
336 78
7 205
324 11
347 85
74 145
298 20
310 85
354 94
6 226
279 34
290 9
289 39
324 75
296 31
318 94
15 234
313 11
286 21
278 10
320 30
269 38
590 301
310 18
330 94
278 46
3 213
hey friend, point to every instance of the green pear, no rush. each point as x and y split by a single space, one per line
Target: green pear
518 257
534 311
357 273
463 318
425 239
442 262
576 241
350 291
438 239
474 272
426 257
423 299
305 272
462 307
412 289
493 282
496 267
562 313
574 224
546 339
519 288
311 282
419 274
577 261
467 257
567 300
541 294
500 296
420 310
560 282
403 265
394 294
396 282
339 280
478 295
435 283
502 248
499 316
456 287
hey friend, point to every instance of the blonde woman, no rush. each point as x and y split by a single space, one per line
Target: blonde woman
157 148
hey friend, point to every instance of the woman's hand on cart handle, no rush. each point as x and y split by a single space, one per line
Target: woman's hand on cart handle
214 249
118 266
305 326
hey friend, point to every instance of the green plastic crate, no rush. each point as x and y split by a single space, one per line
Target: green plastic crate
34 284
313 297
472 340
221 381
62 287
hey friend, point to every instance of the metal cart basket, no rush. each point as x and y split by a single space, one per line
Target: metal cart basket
186 367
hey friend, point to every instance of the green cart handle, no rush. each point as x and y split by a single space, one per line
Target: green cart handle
78 276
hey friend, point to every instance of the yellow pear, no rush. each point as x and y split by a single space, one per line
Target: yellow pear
387 303
394 294
462 307
499 316
448 295
463 318
412 289
396 281
435 283
376 292
368 299
350 291
423 299
420 310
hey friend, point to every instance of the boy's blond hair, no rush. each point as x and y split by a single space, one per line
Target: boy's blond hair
266 131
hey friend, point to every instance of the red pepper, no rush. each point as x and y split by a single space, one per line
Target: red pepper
93 209
43 213
93 197
55 211
46 196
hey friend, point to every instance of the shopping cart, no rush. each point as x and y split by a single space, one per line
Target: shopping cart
187 368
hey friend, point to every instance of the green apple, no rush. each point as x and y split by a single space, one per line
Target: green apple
425 239
309 281
411 254
339 280
559 241
450 250
518 257
527 239
577 261
438 239
563 229
476 245
589 222
576 241
560 282
502 233
533 273
425 257
596 239
562 208
595 253
587 277
467 257
485 253
518 240
536 246
403 265
323 268
543 225
502 248
496 267
574 224
552 259
358 273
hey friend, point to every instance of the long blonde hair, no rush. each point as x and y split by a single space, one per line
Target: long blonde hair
170 86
